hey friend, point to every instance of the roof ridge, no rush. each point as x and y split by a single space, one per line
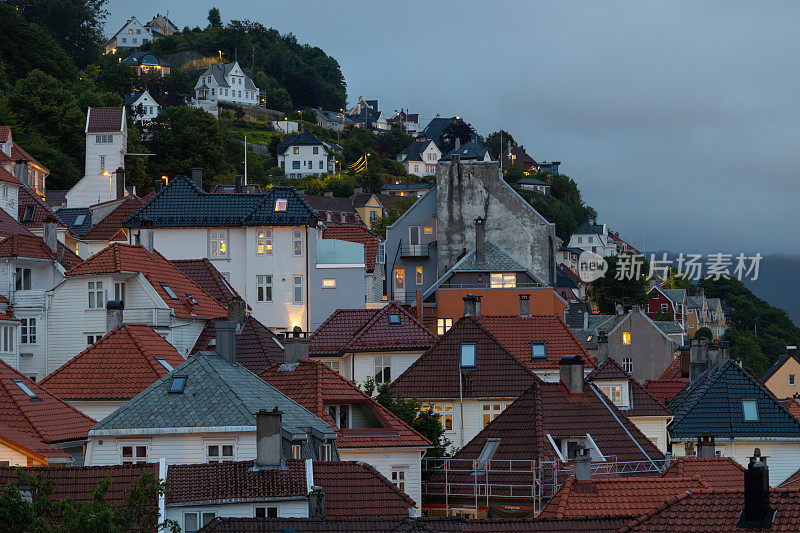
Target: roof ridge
148 357
392 307
656 511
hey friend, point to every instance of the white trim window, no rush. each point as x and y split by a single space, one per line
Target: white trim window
23 278
444 412
266 512
614 393
325 452
627 365
120 290
264 241
195 520
443 325
96 295
492 411
297 242
399 475
218 452
264 288
218 244
27 331
333 365
7 339
382 368
132 452
297 289
92 338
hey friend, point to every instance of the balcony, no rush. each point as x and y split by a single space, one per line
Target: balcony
28 298
151 316
414 250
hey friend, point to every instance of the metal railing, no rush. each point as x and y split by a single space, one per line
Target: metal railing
414 250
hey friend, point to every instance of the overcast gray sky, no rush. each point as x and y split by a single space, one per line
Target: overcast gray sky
677 119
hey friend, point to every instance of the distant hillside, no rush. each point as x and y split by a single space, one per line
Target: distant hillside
778 285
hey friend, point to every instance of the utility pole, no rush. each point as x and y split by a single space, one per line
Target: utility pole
245 159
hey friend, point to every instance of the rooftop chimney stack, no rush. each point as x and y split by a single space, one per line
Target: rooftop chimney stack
197 177
226 340
120 172
237 309
524 305
583 466
50 233
157 185
571 372
706 448
316 503
480 239
470 305
295 346
686 361
268 437
114 310
620 310
238 188
757 513
146 235
602 346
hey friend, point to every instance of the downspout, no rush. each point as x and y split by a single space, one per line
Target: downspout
461 404
308 285
389 275
162 498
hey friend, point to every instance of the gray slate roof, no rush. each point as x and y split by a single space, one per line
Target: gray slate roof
414 151
470 150
695 302
713 403
589 229
669 326
183 204
676 295
433 131
220 71
70 216
335 116
217 393
304 138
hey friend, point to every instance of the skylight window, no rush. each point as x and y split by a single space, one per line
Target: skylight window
488 450
32 395
163 362
169 291
750 410
280 204
27 214
394 319
177 384
538 350
468 351
79 220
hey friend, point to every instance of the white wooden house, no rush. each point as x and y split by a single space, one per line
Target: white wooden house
226 82
132 34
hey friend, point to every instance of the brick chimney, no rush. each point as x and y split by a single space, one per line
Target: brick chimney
757 513
226 340
602 346
480 239
295 346
120 172
237 309
571 372
470 305
114 311
269 440
50 233
197 177
706 448
524 305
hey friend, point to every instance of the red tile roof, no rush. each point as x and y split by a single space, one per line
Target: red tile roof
110 228
49 419
642 403
664 389
117 367
8 177
40 212
368 330
357 234
207 277
545 525
104 119
9 226
78 482
157 270
517 333
356 489
673 371
313 385
616 496
718 472
18 154
716 511
5 131
793 406
256 348
32 246
33 446
436 374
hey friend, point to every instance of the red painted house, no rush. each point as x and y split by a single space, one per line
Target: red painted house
671 301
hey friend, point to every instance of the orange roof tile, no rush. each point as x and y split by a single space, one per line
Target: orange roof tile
110 228
617 496
664 390
117 367
357 234
718 472
105 119
32 246
313 385
793 406
40 210
17 154
157 270
34 446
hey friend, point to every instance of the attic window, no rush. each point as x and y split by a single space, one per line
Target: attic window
163 362
79 220
538 350
27 214
488 450
177 384
468 351
394 319
32 395
169 291
750 410
280 204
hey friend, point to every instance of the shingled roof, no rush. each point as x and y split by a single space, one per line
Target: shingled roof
130 350
236 397
304 138
110 227
641 402
717 472
31 246
105 119
714 404
31 204
631 497
158 272
360 235
203 273
72 215
313 385
183 204
436 374
256 346
517 333
368 330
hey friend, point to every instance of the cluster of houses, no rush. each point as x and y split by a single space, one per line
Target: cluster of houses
223 340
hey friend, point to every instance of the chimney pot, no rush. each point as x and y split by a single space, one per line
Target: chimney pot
120 181
295 345
706 448
480 239
571 373
757 512
197 177
114 311
470 305
226 340
269 439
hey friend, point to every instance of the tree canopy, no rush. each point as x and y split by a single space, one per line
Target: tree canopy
613 288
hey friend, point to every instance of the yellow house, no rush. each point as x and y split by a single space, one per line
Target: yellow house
369 207
695 314
782 377
716 323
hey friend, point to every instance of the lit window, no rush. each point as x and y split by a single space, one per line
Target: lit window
178 383
419 275
32 395
399 279
120 290
169 291
22 279
297 451
399 477
264 241
383 369
96 295
444 412
218 243
264 288
297 289
329 283
627 365
297 244
280 204
750 410
626 337
492 411
614 393
394 319
163 362
27 331
428 230
506 281
217 453
468 351
443 325
538 350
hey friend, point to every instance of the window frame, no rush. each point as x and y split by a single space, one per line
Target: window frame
297 242
120 290
398 475
328 283
385 366
543 357
295 287
134 446
220 445
264 288
23 278
27 331
474 354
754 403
443 325
627 364
264 241
95 293
491 410
200 516
221 237
626 338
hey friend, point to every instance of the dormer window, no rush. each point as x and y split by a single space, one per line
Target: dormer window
394 319
468 355
177 384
